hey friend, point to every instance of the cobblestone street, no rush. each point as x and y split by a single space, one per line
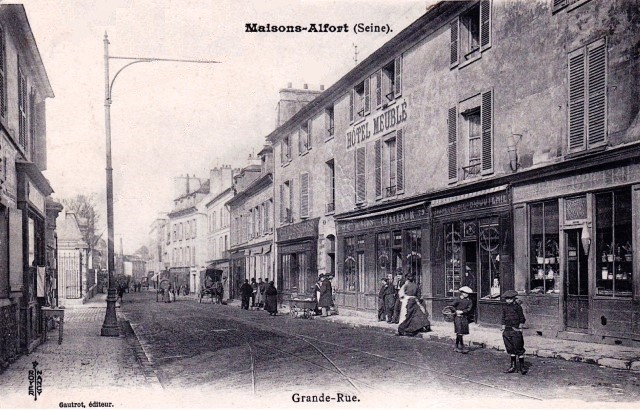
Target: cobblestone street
223 349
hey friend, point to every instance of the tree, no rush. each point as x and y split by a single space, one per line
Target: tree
85 209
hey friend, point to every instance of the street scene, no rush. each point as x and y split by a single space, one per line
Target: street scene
242 204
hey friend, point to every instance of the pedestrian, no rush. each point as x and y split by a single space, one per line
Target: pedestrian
398 283
271 299
262 286
254 287
512 324
381 307
386 300
413 314
246 290
120 293
326 296
219 290
463 306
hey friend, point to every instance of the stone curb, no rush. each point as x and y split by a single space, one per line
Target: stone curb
150 374
609 362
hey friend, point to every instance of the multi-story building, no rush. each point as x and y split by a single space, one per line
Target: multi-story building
492 145
26 268
251 213
304 182
218 222
188 237
159 238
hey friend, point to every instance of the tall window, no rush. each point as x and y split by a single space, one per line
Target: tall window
285 149
452 251
304 137
470 33
22 108
390 169
329 122
413 253
360 176
474 145
349 276
331 186
32 124
614 240
544 247
286 202
360 100
588 96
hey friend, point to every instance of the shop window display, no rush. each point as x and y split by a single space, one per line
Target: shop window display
350 276
452 257
544 252
614 251
489 241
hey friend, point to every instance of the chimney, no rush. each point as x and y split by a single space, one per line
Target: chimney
289 85
321 87
306 86
226 177
215 180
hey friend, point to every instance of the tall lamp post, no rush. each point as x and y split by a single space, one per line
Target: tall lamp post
110 325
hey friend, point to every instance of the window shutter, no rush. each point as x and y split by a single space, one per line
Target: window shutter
558 4
360 175
378 149
351 108
282 207
378 88
398 74
486 119
291 191
304 195
327 124
3 106
301 139
576 101
453 144
400 161
367 95
454 28
485 24
597 99
309 135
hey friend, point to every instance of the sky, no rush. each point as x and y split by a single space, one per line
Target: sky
169 119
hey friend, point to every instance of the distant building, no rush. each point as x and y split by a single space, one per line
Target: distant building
73 254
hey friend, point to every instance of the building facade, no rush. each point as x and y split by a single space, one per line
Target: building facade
492 145
24 278
218 226
159 238
251 212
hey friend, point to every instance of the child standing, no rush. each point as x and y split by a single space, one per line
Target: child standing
512 322
463 307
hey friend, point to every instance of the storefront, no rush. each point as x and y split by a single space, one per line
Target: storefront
297 253
576 238
237 267
384 244
472 246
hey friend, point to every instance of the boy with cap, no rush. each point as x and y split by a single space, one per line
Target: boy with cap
512 322
463 307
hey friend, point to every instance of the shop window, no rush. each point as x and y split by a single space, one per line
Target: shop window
350 264
544 251
614 251
413 252
383 255
489 258
452 246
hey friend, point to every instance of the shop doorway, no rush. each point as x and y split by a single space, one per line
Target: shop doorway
470 273
576 283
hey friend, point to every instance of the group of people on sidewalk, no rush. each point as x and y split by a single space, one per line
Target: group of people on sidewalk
399 301
260 294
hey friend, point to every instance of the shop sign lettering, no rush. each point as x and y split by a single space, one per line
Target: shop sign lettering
304 229
473 204
377 124
383 220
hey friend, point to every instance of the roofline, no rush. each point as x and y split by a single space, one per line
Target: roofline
256 185
428 23
220 195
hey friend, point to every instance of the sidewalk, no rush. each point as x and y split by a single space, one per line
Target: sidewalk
612 356
85 367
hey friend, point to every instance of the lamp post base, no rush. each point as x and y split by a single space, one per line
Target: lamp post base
110 326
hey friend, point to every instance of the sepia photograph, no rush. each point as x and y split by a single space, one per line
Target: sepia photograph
324 204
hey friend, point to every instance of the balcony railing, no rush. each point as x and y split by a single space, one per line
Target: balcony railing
471 170
331 207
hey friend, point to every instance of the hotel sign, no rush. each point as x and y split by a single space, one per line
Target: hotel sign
377 124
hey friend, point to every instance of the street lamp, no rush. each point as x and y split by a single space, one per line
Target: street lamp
110 325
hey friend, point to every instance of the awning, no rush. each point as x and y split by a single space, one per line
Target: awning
256 251
385 212
457 198
35 175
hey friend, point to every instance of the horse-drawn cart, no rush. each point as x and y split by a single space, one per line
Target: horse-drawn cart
211 289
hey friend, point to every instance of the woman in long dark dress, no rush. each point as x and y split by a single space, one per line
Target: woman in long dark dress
271 299
413 314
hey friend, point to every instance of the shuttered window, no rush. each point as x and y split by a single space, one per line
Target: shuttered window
367 96
360 177
22 108
3 82
289 216
378 166
454 29
485 24
351 107
588 97
453 144
399 161
398 74
304 195
282 204
486 118
378 88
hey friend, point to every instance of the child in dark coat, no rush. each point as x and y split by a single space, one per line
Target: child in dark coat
512 322
463 307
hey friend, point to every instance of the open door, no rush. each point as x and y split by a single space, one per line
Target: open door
576 283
